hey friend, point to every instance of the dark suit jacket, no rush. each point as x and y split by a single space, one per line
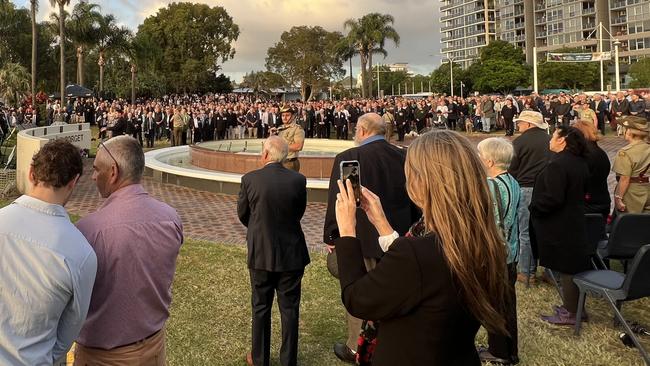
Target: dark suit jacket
557 211
423 321
382 171
271 203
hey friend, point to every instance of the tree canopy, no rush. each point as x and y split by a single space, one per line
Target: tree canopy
307 56
190 37
640 72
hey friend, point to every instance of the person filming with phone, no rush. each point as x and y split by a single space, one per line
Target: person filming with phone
379 166
436 286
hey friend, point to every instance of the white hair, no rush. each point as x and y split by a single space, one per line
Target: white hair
277 148
497 149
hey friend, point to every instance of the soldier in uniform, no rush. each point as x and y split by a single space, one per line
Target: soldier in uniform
294 135
632 165
401 121
389 119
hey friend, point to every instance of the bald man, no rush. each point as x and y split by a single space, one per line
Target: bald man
381 167
277 252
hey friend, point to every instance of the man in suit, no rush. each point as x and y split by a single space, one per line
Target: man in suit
600 107
377 159
277 252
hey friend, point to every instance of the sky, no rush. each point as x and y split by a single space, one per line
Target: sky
261 22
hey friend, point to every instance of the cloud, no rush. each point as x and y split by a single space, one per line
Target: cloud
262 22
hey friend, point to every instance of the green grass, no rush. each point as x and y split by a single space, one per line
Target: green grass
210 317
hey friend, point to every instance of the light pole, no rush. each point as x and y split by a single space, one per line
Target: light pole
617 71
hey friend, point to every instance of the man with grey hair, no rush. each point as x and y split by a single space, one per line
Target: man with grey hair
137 239
277 251
381 167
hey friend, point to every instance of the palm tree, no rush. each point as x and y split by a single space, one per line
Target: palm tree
369 35
346 51
61 4
110 37
14 82
34 6
83 29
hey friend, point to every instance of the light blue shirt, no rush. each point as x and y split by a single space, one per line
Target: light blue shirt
372 139
47 271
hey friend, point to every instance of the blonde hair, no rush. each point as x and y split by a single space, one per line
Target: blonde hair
588 129
446 179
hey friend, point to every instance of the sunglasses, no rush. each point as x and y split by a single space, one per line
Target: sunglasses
101 144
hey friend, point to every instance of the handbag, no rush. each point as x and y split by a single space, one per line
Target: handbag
367 343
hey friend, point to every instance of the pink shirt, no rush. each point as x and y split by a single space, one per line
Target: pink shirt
136 239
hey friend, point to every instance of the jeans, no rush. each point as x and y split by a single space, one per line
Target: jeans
486 123
527 264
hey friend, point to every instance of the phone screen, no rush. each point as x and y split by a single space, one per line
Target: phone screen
350 170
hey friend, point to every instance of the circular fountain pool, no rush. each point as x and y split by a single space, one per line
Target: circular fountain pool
218 166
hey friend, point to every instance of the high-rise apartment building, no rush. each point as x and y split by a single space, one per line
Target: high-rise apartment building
546 24
467 25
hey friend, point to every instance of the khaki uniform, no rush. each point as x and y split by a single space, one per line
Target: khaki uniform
633 161
389 119
292 133
587 114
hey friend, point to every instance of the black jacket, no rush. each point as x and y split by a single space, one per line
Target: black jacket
271 203
382 172
423 320
531 155
557 214
597 197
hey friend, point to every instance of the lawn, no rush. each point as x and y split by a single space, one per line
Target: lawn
210 317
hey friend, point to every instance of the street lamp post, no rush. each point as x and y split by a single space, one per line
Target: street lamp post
617 71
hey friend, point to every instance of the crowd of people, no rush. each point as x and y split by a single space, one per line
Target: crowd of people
419 272
183 119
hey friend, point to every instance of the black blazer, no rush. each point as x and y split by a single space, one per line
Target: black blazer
412 293
382 172
271 203
557 211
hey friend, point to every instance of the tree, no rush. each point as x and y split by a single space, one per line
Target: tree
61 4
502 50
15 34
441 78
306 56
34 5
185 31
263 81
346 51
501 76
111 38
14 82
369 35
640 72
569 75
83 30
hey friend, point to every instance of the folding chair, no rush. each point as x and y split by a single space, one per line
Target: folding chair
617 287
629 232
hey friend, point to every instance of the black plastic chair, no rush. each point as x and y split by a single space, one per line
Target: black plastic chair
617 287
629 233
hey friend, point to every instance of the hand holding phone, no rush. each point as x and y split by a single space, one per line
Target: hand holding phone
350 170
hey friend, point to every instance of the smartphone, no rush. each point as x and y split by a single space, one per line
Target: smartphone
352 171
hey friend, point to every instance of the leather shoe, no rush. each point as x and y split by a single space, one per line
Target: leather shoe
249 359
344 353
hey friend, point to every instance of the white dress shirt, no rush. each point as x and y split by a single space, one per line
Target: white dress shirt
47 271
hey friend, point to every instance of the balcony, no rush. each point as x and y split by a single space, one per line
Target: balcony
588 25
588 11
519 25
520 38
541 34
540 20
617 4
619 20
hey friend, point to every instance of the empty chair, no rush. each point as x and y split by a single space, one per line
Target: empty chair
616 288
629 233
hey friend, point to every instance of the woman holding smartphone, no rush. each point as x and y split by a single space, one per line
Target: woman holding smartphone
433 288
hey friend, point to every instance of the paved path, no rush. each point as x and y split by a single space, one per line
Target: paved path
213 217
